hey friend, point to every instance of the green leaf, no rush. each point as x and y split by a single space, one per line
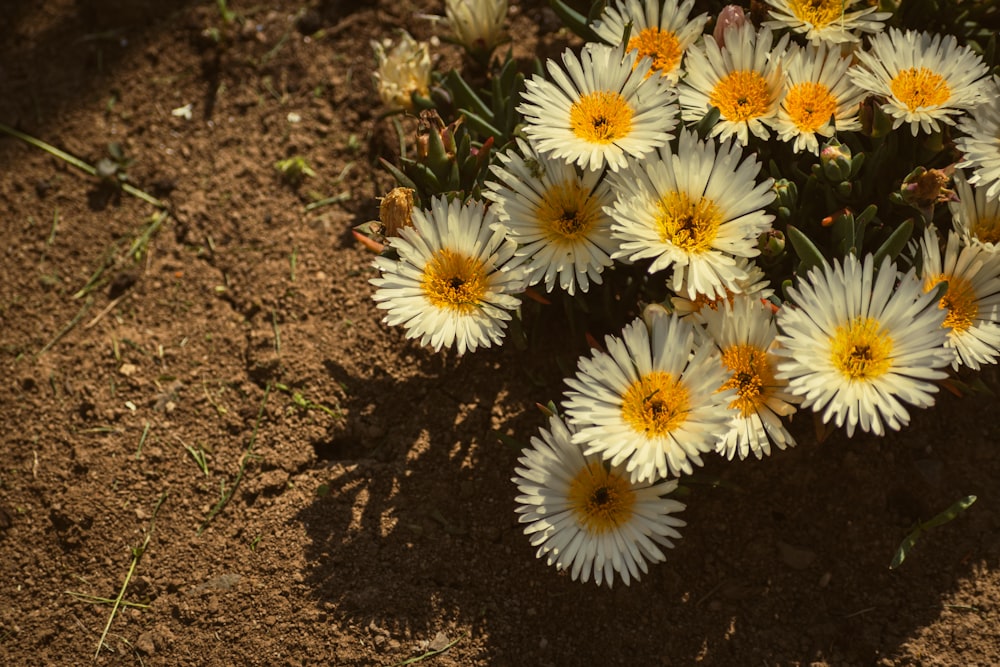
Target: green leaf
574 20
465 96
809 254
944 517
894 245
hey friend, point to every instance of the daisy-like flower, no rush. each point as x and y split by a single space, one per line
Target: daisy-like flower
744 332
556 215
650 401
660 30
403 69
926 79
601 112
696 211
980 144
478 25
976 214
588 517
453 283
856 345
826 20
755 285
817 90
972 298
743 79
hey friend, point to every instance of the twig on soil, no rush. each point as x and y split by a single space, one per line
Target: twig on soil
428 654
136 556
66 329
107 309
247 456
99 600
78 163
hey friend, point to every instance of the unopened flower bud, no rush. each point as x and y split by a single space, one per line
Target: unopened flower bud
835 159
787 192
731 16
478 25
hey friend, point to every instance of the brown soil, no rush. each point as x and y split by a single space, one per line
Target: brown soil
382 526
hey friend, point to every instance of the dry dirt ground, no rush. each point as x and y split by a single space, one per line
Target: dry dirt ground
370 509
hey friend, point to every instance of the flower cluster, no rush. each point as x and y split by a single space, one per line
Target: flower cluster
762 202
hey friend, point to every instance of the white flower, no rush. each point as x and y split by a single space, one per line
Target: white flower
744 331
980 144
976 215
452 284
972 299
856 346
588 517
402 71
555 213
926 79
477 24
817 90
755 285
695 211
743 79
603 111
826 20
650 401
659 30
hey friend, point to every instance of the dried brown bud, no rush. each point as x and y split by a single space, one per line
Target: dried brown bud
395 209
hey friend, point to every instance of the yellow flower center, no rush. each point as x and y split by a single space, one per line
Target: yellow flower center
810 105
568 212
601 500
454 281
741 95
656 404
601 117
660 45
691 225
861 350
960 301
820 13
918 88
986 230
750 375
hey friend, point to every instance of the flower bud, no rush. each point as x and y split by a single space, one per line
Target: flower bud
787 192
403 70
731 16
395 211
835 159
771 244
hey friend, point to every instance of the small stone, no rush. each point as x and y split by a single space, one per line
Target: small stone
128 370
145 643
439 642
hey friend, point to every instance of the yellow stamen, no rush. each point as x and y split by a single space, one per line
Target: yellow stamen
960 301
454 281
820 13
601 500
986 230
741 95
861 350
568 212
810 105
656 404
918 88
751 375
601 117
661 46
690 225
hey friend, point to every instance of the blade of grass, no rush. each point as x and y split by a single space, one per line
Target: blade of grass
78 163
136 556
226 495
428 654
66 329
